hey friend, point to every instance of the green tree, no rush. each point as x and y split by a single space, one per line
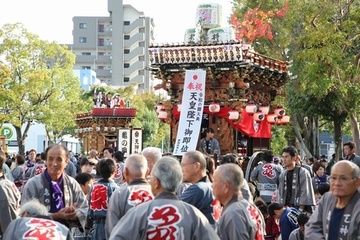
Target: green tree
155 132
321 38
36 82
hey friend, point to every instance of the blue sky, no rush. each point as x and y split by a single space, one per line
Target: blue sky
52 19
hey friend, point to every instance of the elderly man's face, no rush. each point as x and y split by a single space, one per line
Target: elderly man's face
150 160
188 169
342 182
56 162
218 186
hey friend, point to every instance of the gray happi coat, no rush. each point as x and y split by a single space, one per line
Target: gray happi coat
38 187
166 215
316 227
302 188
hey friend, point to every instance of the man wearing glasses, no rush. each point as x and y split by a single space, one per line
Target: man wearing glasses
338 215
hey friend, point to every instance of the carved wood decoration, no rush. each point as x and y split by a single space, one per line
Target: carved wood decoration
235 75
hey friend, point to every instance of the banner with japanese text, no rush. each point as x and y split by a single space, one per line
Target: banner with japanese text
124 141
191 112
136 140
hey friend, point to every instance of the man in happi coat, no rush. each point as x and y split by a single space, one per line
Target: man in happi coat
165 217
61 194
295 185
338 214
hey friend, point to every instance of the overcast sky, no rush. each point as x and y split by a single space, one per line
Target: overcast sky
52 19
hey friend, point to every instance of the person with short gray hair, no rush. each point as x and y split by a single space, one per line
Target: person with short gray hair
165 217
152 155
239 219
136 191
169 174
35 222
33 208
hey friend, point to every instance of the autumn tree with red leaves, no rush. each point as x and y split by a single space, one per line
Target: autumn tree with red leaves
256 23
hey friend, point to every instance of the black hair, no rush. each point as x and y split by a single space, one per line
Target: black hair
291 150
20 159
83 161
83 178
209 130
110 150
323 188
119 156
230 158
268 156
261 205
302 219
274 206
107 167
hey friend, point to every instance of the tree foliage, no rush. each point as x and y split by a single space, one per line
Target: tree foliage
321 38
36 82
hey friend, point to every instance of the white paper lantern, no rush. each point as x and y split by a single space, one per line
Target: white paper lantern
251 108
233 115
214 107
259 116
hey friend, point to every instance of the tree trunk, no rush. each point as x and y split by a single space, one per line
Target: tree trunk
299 137
20 140
316 137
20 137
355 131
338 138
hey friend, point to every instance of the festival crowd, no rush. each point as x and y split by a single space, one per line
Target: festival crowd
60 195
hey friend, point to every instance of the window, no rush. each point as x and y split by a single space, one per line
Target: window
141 30
141 58
85 67
86 53
126 65
126 23
126 37
82 25
126 79
141 72
126 51
141 44
82 39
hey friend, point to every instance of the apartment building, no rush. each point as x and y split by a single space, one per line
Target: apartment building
115 46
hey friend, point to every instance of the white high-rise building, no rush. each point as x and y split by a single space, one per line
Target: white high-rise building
116 46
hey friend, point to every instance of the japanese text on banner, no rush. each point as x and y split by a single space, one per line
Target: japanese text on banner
191 112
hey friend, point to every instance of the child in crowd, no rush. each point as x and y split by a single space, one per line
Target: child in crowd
321 189
99 197
287 218
271 226
86 181
298 234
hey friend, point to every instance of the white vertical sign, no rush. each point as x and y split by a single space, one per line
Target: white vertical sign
136 140
191 112
124 141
